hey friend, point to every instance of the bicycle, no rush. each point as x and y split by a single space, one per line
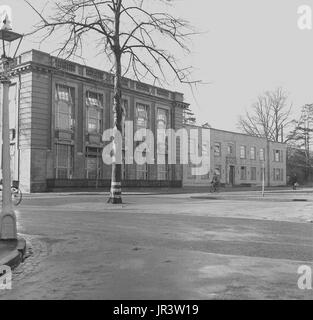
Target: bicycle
214 187
16 192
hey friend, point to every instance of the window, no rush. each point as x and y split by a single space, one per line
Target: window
242 152
64 107
243 173
262 154
142 122
278 155
217 149
162 124
142 116
230 149
94 114
93 163
141 171
278 174
253 173
252 153
64 161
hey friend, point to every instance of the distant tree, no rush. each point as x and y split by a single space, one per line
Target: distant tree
300 139
128 30
269 116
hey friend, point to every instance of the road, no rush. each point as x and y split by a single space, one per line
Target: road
183 246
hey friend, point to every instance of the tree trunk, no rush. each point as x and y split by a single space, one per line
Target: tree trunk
116 180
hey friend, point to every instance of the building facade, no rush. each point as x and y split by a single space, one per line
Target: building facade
239 159
58 112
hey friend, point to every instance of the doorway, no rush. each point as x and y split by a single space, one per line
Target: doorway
231 175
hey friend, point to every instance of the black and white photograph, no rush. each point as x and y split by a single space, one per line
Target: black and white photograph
156 154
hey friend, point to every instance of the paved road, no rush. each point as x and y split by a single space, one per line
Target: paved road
164 247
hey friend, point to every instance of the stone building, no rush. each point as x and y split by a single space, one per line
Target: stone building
239 159
58 111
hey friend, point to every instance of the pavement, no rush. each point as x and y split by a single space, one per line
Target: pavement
12 252
234 245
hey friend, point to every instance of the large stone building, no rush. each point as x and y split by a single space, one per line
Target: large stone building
58 111
239 159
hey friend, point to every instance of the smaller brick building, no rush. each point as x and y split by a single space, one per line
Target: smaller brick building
239 159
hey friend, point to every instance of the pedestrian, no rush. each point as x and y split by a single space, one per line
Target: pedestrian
294 182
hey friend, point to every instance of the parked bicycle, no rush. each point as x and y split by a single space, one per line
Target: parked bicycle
16 192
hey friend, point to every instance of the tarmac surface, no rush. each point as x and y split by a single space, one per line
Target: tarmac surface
234 245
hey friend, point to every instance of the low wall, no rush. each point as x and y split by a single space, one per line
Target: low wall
87 183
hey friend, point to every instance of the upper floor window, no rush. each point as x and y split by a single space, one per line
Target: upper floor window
230 149
142 119
94 113
262 154
243 152
162 125
217 149
278 155
64 107
252 153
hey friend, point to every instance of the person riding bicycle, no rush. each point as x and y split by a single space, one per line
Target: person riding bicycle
215 180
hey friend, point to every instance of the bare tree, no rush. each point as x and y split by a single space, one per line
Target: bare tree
269 117
130 30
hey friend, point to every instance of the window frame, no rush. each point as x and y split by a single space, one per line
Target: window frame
70 102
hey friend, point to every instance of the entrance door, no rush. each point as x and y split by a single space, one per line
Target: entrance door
232 175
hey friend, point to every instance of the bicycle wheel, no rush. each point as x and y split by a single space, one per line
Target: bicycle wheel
16 196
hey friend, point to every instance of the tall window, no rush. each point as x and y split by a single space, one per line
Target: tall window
278 174
64 107
94 112
64 161
243 173
142 122
278 156
230 149
243 152
93 163
253 173
162 124
142 116
262 154
252 153
217 149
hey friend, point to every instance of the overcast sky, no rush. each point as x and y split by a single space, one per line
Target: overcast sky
249 46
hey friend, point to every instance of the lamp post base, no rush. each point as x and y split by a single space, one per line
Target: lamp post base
8 225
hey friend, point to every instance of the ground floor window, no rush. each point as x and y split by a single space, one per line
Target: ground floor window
163 173
93 163
253 173
64 161
141 172
278 174
243 173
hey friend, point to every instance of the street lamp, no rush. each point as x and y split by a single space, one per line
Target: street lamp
7 215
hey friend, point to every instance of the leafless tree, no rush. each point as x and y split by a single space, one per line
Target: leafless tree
133 35
269 116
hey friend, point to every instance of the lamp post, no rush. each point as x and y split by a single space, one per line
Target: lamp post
7 215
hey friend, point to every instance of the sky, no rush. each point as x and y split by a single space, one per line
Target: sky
245 47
